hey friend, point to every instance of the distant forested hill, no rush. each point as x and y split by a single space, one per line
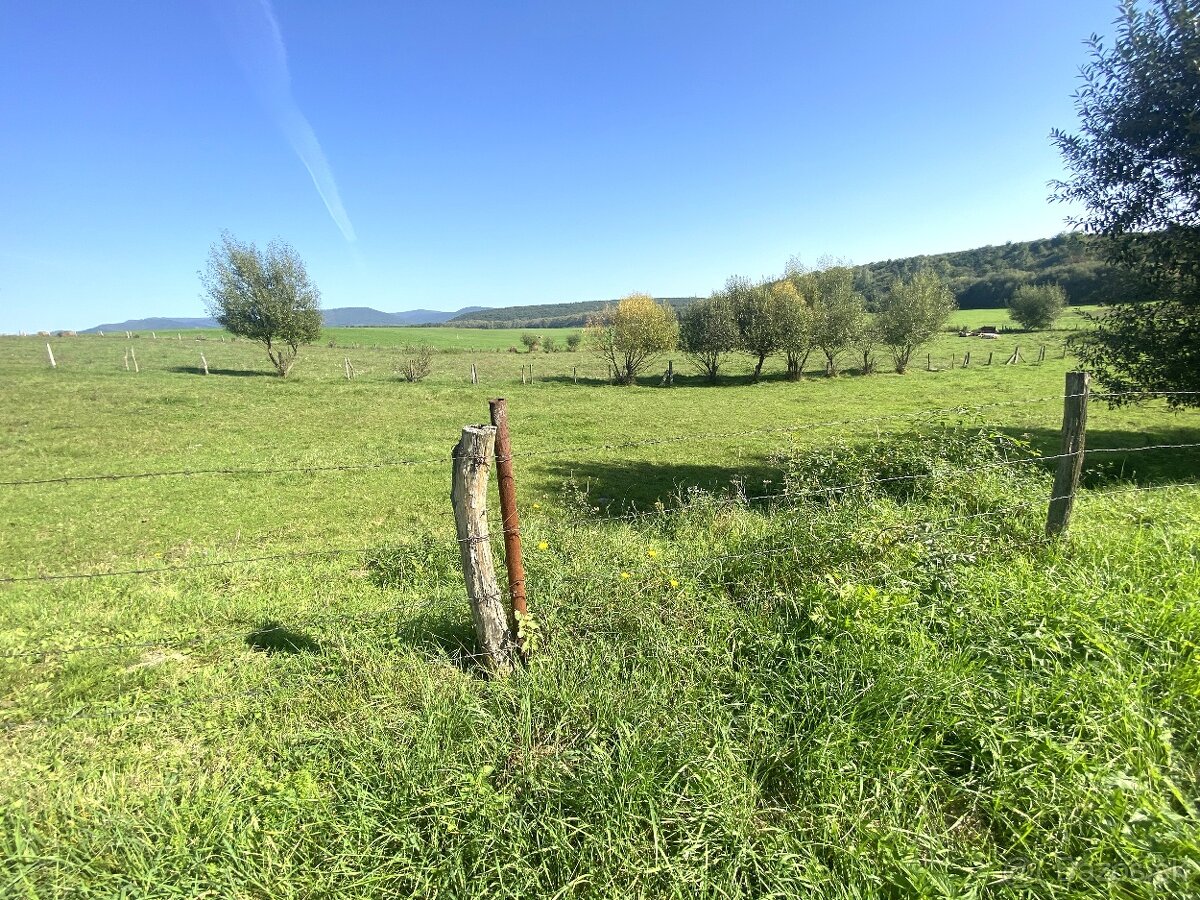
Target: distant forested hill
981 278
546 315
986 276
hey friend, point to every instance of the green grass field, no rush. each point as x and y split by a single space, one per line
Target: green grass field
901 691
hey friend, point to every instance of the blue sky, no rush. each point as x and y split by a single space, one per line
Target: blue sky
444 154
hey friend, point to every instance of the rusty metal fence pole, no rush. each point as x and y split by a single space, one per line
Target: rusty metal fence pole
508 506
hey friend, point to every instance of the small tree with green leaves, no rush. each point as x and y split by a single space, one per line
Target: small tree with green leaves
756 312
1035 306
911 314
573 341
263 295
629 335
796 324
531 341
839 313
708 333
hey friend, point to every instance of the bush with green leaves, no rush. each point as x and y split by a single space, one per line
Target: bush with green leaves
573 341
1035 306
417 363
531 341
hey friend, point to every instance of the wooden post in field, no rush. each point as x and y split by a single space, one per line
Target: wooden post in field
153 336
574 375
50 353
1042 355
474 375
928 362
180 336
102 334
346 367
990 352
1015 358
531 373
468 492
522 373
1064 353
952 355
966 359
204 362
507 485
133 356
1070 463
670 372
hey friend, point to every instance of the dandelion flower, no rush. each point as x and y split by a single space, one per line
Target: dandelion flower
537 506
652 553
674 583
542 545
626 575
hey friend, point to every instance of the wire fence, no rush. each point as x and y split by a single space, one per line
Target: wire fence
706 574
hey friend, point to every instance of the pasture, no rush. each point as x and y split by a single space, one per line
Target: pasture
864 693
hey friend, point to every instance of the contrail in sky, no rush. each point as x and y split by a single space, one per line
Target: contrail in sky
254 36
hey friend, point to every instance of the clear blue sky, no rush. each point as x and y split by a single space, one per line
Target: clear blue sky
441 154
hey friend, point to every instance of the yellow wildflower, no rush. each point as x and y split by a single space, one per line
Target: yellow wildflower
652 553
542 545
626 575
674 583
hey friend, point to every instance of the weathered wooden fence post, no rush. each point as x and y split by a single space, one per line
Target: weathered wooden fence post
468 492
507 485
1070 463
204 362
574 375
990 352
474 375
133 356
670 372
50 353
966 359
928 362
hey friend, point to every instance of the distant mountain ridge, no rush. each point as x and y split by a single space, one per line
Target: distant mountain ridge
341 317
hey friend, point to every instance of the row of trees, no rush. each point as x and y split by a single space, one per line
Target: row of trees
791 317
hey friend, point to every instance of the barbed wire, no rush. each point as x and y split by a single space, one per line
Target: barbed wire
493 532
460 656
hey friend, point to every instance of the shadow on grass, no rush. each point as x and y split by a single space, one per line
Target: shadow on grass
450 637
617 485
231 373
1146 467
271 637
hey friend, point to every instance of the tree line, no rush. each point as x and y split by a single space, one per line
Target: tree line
805 312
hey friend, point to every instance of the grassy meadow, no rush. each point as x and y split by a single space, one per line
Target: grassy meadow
896 688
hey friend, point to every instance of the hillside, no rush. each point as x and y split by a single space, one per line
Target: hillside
545 315
340 317
985 277
981 278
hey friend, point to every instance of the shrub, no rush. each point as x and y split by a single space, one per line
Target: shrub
549 345
531 341
573 341
1036 306
418 362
